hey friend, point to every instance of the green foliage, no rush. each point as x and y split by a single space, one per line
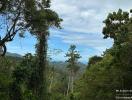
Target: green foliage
20 80
33 78
73 57
117 26
7 64
113 71
93 60
73 68
37 17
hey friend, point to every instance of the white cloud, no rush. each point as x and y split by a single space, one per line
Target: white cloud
87 15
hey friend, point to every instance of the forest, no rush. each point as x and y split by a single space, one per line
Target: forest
37 77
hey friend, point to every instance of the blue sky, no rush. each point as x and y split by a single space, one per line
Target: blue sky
82 26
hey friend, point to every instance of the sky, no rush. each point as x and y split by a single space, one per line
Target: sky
82 25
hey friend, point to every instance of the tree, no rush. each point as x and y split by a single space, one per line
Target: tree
16 17
117 26
51 78
73 67
12 21
35 17
113 71
40 20
94 60
21 87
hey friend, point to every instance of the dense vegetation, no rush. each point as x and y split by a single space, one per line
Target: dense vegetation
113 71
19 78
34 77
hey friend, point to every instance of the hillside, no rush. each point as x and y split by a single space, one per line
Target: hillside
62 65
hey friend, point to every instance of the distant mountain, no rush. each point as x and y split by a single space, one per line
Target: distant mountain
13 55
63 65
57 64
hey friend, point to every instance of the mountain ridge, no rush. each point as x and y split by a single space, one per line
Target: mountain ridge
13 55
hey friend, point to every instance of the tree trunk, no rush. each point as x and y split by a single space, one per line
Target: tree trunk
72 83
42 62
51 82
69 82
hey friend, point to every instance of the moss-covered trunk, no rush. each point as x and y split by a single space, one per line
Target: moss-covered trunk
42 62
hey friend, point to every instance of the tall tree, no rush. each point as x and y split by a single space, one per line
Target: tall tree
40 21
34 16
73 67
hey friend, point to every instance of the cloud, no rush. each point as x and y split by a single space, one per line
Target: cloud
83 22
87 15
94 41
77 17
